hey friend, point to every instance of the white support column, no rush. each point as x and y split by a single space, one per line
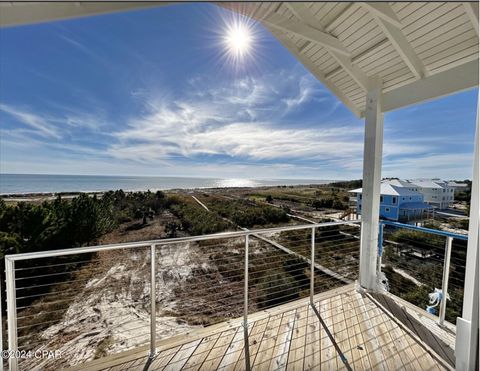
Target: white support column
372 168
467 343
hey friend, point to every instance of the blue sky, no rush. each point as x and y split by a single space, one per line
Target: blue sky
151 92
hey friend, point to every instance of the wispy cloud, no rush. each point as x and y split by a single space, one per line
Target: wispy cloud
244 120
41 125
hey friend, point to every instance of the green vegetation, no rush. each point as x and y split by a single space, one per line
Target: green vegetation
349 184
64 223
459 223
248 214
195 219
328 196
329 203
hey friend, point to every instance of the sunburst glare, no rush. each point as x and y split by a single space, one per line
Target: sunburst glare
239 38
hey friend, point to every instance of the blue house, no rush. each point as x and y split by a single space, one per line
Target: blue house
397 203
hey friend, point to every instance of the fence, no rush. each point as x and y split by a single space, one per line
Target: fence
425 267
93 301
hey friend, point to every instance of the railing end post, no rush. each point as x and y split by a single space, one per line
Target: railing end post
153 302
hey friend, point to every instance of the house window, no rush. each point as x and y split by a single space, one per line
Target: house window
360 196
387 209
381 198
394 200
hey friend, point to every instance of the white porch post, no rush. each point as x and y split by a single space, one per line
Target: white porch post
372 167
466 342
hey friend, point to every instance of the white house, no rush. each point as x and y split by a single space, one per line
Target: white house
436 192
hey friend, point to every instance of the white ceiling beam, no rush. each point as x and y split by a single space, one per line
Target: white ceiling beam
22 13
382 11
472 12
290 45
392 30
305 16
444 83
355 73
305 31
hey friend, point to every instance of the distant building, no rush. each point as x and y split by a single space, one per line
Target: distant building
438 193
397 202
458 187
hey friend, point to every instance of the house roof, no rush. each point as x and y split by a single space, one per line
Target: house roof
391 190
417 50
459 185
428 183
398 182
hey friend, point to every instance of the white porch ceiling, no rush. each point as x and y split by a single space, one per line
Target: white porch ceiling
419 50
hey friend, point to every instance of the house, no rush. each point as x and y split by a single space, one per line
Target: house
436 192
458 187
397 203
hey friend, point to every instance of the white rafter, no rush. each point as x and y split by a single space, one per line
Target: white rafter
305 17
391 27
382 11
300 11
472 11
305 31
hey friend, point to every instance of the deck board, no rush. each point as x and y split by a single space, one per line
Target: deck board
328 354
425 334
292 337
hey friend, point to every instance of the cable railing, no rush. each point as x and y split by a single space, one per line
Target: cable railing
425 267
89 302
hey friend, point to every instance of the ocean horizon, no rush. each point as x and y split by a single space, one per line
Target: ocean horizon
16 184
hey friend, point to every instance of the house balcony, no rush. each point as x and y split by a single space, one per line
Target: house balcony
277 298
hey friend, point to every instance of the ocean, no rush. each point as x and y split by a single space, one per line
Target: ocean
34 183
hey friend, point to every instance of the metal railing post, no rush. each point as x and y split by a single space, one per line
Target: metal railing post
245 308
446 272
312 267
1 329
380 246
11 313
153 300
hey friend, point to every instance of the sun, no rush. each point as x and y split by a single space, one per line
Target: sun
238 40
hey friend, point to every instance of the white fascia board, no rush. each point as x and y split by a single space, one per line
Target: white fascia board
23 13
451 81
309 65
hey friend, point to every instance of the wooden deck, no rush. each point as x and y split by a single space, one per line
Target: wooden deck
292 337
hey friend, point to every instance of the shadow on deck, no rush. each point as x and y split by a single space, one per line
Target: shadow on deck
291 336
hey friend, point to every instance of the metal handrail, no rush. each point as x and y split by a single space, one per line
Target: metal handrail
169 241
426 230
446 261
10 261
